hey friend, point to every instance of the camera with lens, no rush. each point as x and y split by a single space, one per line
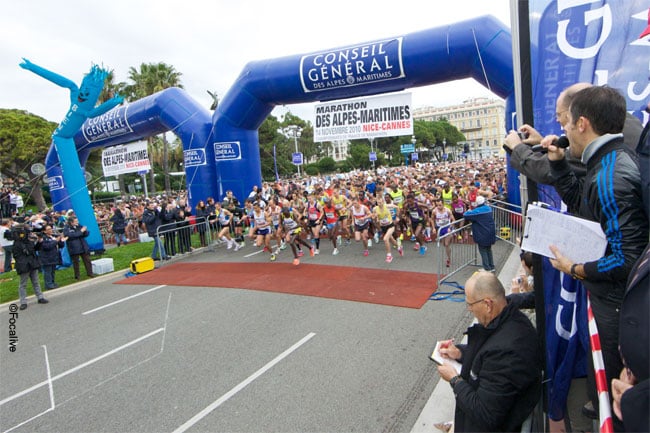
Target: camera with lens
21 232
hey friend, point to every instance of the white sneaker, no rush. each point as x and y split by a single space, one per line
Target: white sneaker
335 252
339 240
237 246
229 245
376 238
316 252
369 243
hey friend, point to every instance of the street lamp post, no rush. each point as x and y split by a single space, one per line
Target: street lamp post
413 141
295 132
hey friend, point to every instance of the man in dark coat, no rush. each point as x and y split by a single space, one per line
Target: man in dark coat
630 391
77 246
27 264
151 217
50 255
609 194
483 231
500 380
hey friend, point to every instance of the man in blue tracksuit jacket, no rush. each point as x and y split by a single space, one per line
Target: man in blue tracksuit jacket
483 231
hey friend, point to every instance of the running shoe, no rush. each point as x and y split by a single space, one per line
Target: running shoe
273 257
366 253
369 243
296 262
283 245
400 250
399 242
300 253
335 252
339 240
416 247
389 258
423 250
448 262
312 251
265 250
237 246
413 238
316 252
428 239
376 238
229 247
348 242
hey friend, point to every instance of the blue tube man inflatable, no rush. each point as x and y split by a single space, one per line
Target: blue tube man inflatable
82 107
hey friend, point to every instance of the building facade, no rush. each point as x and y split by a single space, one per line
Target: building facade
480 120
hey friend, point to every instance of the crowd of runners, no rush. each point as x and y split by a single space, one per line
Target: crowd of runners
389 206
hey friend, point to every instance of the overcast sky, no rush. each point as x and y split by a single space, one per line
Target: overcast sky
208 41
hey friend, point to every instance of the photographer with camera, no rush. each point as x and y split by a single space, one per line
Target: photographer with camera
26 244
50 255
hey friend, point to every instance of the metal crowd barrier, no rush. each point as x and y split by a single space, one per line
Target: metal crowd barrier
172 230
508 224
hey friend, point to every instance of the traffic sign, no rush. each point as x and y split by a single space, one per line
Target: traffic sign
407 148
296 158
372 156
414 156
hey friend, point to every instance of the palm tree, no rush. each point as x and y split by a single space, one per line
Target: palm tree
149 79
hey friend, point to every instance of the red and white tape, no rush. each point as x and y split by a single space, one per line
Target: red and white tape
605 411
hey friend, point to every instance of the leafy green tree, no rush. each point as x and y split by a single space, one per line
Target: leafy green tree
327 165
24 140
147 80
359 150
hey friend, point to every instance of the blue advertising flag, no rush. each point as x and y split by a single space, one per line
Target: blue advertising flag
567 335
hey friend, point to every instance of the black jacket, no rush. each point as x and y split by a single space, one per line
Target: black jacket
49 252
152 220
634 340
76 239
24 251
610 195
501 375
119 222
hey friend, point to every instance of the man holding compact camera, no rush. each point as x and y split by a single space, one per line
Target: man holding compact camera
28 264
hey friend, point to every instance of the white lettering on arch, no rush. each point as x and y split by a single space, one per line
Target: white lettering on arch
603 13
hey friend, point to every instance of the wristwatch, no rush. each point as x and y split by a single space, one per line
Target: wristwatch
454 380
574 275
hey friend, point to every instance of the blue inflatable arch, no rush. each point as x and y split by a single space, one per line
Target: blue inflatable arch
480 48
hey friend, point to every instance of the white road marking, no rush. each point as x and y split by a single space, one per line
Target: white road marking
253 254
123 299
80 366
199 416
49 383
49 378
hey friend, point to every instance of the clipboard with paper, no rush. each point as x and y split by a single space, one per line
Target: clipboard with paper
578 239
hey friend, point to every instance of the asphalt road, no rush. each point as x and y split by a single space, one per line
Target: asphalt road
104 357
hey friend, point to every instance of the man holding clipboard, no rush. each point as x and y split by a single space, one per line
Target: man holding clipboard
609 194
500 379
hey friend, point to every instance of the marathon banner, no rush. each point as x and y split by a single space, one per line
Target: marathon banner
126 158
387 115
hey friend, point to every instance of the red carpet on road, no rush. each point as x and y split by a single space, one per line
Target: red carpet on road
377 286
